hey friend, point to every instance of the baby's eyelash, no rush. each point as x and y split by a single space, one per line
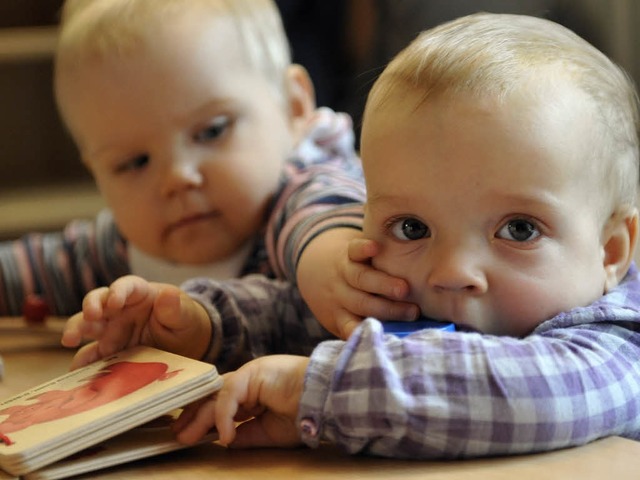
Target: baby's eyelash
215 129
520 228
388 225
134 163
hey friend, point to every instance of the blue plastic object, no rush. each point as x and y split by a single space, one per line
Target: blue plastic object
402 329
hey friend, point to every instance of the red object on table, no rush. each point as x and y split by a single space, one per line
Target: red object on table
35 309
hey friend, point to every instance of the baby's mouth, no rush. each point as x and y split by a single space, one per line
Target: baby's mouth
188 220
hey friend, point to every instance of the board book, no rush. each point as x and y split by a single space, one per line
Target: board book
43 429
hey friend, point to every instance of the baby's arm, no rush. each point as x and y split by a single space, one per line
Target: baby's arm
132 312
341 287
59 268
255 316
317 211
479 394
267 389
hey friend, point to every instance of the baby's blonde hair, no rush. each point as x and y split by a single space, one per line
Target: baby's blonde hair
495 54
91 28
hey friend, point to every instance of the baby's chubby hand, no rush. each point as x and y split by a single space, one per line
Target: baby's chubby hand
265 392
374 292
341 287
133 311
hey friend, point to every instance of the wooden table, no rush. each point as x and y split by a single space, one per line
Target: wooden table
31 359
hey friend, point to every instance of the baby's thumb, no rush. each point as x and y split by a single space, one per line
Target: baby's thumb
168 308
182 325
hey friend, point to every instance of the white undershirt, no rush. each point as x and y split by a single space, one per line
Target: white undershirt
157 270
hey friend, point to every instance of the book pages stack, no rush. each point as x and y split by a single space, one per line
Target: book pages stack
85 407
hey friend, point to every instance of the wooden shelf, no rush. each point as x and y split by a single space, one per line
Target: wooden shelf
27 43
34 140
46 208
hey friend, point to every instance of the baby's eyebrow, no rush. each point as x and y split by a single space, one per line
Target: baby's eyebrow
103 153
537 199
386 199
218 105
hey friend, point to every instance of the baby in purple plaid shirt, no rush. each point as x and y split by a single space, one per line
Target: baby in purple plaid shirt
501 163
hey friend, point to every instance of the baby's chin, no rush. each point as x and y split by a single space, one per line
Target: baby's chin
204 250
196 260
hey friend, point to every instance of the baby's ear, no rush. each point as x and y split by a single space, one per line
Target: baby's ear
301 97
620 238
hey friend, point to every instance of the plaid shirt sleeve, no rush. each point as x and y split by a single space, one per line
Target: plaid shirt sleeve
437 394
255 316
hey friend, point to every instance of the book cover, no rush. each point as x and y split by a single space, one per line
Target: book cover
99 401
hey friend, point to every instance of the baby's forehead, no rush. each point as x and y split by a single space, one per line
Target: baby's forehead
539 100
112 36
108 41
554 127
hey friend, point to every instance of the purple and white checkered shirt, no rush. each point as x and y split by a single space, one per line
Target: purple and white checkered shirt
438 394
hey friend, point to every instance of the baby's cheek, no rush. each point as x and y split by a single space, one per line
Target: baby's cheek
524 308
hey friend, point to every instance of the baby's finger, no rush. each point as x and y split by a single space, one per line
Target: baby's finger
346 323
167 308
368 279
365 305
71 334
87 324
200 419
225 414
118 334
89 353
127 290
362 249
93 304
187 415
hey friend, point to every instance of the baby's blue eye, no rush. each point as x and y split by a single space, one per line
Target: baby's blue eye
215 129
136 163
519 230
410 229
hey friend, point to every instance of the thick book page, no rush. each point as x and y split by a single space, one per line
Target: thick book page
8 476
152 438
96 402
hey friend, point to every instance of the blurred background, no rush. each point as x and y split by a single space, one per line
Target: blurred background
343 43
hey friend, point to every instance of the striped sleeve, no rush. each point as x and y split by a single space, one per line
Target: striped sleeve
61 267
322 188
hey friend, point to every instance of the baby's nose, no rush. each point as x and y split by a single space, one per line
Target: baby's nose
184 174
456 269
